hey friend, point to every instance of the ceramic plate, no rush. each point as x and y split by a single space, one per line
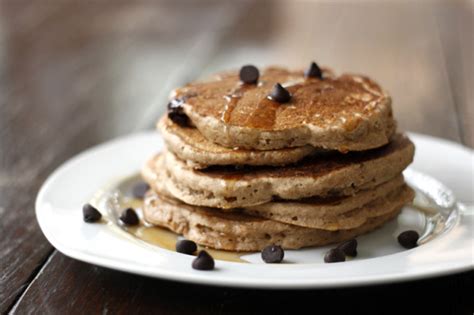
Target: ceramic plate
441 171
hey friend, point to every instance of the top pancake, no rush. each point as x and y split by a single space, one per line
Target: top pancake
345 113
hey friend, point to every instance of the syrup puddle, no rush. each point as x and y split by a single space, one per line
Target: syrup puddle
118 197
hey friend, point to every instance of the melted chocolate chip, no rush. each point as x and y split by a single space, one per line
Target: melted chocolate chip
408 239
334 255
273 254
280 94
314 71
186 247
139 190
249 74
129 217
349 247
203 261
90 214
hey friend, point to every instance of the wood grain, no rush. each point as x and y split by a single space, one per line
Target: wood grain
76 73
87 289
70 85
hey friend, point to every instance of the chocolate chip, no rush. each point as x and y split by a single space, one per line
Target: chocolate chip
334 255
349 247
280 94
273 254
129 217
186 247
203 261
408 239
249 74
314 71
179 117
90 214
139 190
176 112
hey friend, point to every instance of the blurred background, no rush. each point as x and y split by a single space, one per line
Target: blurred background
111 64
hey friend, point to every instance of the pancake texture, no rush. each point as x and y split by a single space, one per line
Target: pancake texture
240 232
330 213
310 214
334 175
276 156
189 145
345 113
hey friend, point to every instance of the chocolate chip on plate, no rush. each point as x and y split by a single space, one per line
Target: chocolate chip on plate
249 74
90 214
408 239
314 71
139 190
349 247
273 254
129 217
203 261
334 255
186 247
280 94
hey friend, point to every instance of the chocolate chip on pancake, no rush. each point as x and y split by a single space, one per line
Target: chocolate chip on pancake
176 113
249 74
90 214
203 261
279 94
314 71
346 113
129 217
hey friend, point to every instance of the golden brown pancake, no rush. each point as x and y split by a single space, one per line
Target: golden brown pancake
339 213
239 232
191 146
335 174
345 113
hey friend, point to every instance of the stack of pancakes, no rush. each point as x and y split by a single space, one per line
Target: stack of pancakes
242 171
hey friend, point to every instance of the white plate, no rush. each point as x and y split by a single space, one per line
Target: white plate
380 259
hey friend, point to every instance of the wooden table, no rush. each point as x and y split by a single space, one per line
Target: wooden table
76 73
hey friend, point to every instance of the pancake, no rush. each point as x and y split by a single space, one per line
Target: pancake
331 175
324 215
188 144
241 232
333 213
345 113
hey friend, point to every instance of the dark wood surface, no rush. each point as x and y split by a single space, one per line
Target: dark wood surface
76 73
